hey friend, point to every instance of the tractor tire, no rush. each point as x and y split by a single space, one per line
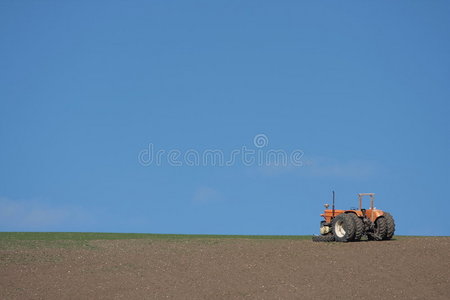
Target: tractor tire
390 226
359 226
343 228
323 238
379 230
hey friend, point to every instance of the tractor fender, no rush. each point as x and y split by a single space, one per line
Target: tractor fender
375 214
356 212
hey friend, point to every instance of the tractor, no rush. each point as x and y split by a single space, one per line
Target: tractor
351 225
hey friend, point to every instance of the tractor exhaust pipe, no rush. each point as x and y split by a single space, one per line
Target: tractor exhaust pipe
332 208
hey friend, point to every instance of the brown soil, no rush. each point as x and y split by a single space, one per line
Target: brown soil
407 268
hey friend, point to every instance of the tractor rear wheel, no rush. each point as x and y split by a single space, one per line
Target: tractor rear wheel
323 238
343 228
390 226
359 226
379 232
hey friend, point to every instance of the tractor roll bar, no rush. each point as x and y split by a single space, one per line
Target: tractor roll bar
360 196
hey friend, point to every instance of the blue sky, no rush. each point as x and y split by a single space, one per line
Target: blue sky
361 88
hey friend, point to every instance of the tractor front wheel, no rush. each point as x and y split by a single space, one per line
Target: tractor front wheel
343 227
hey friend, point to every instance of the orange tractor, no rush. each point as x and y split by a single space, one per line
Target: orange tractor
351 225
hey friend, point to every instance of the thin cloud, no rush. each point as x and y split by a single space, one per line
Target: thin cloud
18 215
325 167
274 170
205 195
